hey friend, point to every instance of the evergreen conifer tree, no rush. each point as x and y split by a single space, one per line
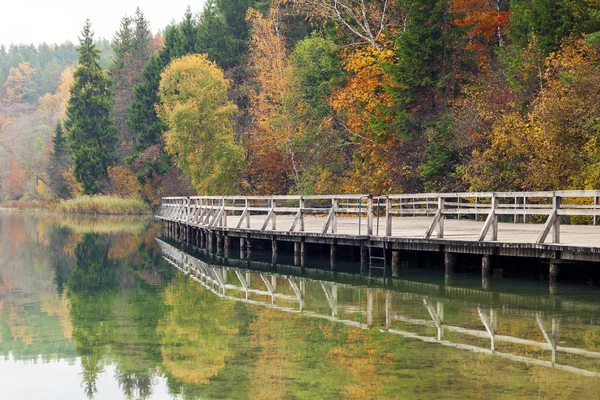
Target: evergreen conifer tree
59 160
92 135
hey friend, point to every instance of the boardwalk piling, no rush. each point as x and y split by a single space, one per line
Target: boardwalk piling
333 256
396 263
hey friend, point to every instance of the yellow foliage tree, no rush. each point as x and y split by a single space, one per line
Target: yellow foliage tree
195 107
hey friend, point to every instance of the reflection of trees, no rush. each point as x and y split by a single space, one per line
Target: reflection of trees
115 311
198 335
92 291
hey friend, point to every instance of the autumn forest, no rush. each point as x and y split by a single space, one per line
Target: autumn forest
309 97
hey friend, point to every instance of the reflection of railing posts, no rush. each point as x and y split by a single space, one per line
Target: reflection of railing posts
436 316
369 307
552 338
490 326
214 278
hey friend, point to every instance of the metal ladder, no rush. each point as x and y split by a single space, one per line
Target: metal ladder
377 259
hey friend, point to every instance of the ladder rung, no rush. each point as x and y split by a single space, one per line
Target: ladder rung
377 258
373 267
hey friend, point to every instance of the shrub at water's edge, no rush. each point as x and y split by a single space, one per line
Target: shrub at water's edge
102 205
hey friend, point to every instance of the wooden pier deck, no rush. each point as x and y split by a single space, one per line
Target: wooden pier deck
559 226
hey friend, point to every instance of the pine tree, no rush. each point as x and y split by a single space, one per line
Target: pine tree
59 160
180 40
92 135
132 50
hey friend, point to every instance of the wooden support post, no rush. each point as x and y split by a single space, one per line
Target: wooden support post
486 266
396 263
219 244
449 266
525 216
486 271
364 259
553 276
248 247
553 271
274 252
296 248
227 247
302 254
242 248
332 255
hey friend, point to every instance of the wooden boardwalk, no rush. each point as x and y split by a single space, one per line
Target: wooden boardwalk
558 226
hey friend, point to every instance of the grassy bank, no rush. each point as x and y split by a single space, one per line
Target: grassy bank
102 205
84 205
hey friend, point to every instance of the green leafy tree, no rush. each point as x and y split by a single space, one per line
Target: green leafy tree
91 135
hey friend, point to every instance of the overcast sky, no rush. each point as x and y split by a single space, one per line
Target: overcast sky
56 21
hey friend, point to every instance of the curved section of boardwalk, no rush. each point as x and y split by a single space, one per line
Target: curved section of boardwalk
560 225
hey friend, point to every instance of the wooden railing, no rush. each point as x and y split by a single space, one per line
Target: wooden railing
374 216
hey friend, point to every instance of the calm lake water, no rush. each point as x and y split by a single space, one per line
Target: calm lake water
109 309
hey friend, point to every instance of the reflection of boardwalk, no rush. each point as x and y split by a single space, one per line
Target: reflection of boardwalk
412 315
556 226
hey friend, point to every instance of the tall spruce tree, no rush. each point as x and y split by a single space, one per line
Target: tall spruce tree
179 41
132 46
92 135
59 160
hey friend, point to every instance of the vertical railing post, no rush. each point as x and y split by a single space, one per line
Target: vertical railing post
224 217
495 217
556 203
596 209
335 204
440 205
188 214
370 215
247 214
477 208
525 216
301 205
274 218
388 217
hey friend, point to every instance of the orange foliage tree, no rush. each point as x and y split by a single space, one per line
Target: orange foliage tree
361 101
13 183
14 84
273 162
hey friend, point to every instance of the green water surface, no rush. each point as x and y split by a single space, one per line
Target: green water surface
101 309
